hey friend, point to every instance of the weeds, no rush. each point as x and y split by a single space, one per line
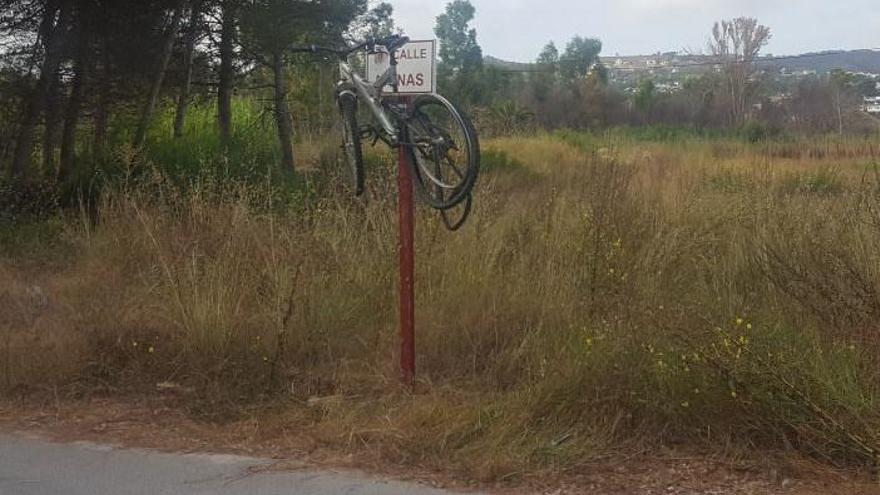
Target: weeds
603 299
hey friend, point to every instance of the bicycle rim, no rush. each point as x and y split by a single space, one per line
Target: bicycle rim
444 152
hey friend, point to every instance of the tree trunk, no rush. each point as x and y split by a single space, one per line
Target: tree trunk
839 113
191 37
52 98
102 107
67 165
24 142
227 72
50 35
52 121
282 113
156 87
731 80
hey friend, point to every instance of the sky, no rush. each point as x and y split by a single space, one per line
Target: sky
516 30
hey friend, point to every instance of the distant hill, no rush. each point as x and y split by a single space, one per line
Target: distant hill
506 65
852 61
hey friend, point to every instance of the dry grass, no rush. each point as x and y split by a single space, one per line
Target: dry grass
609 295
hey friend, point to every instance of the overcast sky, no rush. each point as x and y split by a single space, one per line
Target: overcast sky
517 29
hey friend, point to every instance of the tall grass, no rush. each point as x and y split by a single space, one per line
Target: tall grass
609 294
251 154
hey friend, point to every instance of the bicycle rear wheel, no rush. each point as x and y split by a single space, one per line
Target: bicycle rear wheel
444 152
351 142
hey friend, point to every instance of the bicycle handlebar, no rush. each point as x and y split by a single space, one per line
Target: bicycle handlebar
391 43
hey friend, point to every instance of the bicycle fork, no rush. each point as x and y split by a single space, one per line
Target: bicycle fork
364 95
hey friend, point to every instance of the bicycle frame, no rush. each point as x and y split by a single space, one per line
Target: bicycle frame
371 94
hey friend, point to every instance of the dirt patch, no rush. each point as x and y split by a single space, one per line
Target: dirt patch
157 423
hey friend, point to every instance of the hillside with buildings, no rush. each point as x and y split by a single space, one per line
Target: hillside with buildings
670 71
858 61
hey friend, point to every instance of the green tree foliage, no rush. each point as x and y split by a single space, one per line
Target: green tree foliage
461 57
376 22
270 27
558 87
580 55
549 56
644 100
645 96
273 26
548 68
595 97
459 49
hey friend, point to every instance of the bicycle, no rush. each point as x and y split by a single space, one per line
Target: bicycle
440 141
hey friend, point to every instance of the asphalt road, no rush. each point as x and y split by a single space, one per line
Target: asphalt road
31 466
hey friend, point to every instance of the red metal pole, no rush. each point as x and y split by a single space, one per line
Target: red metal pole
405 251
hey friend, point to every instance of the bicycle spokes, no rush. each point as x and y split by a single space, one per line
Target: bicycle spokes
444 152
436 175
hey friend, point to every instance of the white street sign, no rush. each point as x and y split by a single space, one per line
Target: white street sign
416 68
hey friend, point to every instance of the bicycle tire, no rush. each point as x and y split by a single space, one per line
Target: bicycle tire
351 141
446 215
429 184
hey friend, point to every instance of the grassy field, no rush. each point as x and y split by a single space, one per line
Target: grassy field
611 294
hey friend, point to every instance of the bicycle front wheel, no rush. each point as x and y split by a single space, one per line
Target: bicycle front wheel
444 152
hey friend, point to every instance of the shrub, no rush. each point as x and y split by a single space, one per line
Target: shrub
27 201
